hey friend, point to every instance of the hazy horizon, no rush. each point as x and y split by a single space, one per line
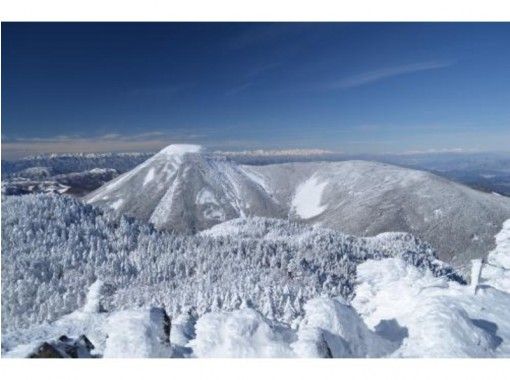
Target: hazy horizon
19 150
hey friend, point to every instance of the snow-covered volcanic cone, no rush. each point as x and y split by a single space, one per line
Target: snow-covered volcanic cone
183 189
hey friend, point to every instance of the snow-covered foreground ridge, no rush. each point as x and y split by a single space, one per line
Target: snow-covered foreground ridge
54 247
251 288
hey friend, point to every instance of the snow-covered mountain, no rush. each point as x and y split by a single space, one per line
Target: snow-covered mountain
54 164
39 180
186 190
367 198
73 174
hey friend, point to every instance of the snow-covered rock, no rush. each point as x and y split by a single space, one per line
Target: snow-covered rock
332 328
138 334
496 272
183 328
441 318
93 301
243 333
63 347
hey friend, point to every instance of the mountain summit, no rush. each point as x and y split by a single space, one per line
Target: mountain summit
181 149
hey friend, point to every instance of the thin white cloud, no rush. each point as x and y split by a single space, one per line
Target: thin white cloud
442 150
252 77
161 90
238 89
257 71
388 72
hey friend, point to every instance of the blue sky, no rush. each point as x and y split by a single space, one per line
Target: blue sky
350 87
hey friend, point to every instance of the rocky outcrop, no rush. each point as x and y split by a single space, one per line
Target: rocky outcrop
64 347
143 333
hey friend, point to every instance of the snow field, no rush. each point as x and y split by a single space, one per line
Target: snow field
307 199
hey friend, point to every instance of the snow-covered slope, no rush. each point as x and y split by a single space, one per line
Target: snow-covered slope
496 272
246 288
435 317
367 198
183 189
54 248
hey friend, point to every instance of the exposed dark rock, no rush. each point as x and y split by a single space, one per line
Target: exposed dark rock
167 326
46 351
65 347
159 315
